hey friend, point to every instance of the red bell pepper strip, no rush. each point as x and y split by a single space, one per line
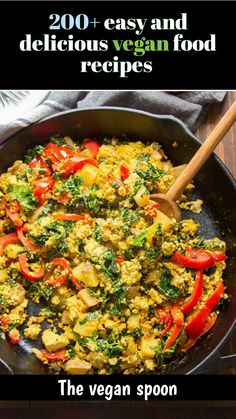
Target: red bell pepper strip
151 209
124 172
195 259
59 355
164 315
166 319
31 275
59 280
41 187
167 328
196 324
177 315
173 336
14 336
38 162
57 153
13 212
93 147
11 238
72 217
219 257
5 321
63 197
196 294
178 318
119 260
3 203
71 165
208 325
76 283
215 297
15 217
26 242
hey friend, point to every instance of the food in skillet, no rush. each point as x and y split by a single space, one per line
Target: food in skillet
118 287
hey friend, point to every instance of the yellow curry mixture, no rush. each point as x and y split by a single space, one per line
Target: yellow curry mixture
116 285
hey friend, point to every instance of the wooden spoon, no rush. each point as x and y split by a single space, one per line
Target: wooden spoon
167 201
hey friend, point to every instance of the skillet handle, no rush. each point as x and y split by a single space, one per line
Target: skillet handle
217 363
202 154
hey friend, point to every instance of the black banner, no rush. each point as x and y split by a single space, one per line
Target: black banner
117 45
108 388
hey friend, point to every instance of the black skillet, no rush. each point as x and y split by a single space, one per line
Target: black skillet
214 185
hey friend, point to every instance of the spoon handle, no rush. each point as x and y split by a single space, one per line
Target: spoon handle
203 153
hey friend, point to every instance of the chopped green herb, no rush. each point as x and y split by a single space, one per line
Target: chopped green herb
109 264
140 240
31 152
57 139
71 351
24 194
165 286
89 316
98 233
152 173
3 302
40 289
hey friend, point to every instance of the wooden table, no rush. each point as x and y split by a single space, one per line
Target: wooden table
227 152
151 410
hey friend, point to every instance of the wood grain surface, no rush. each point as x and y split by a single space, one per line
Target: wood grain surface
151 410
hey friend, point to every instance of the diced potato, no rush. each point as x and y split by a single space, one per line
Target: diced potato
132 291
87 298
106 150
97 359
148 345
165 222
52 341
162 219
176 171
3 275
89 173
133 322
86 273
130 361
142 197
12 250
157 155
167 165
86 329
77 366
131 346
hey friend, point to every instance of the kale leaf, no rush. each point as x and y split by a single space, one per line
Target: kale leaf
40 289
31 152
140 240
165 286
109 266
56 139
153 173
24 194
98 233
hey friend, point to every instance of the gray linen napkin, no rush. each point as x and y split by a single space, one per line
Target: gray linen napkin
190 106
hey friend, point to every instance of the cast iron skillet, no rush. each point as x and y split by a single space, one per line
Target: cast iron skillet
214 185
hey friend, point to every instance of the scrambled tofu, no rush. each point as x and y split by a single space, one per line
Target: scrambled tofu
111 275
